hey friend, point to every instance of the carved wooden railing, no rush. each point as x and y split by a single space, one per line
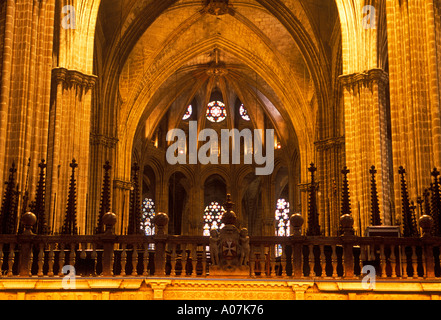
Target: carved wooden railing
110 255
185 256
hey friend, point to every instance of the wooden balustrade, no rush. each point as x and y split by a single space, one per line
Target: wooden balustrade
110 255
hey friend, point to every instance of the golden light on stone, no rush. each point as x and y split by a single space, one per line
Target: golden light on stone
358 90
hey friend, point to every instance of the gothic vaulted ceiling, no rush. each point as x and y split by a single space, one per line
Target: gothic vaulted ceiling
274 56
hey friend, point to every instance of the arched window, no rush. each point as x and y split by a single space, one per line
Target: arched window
244 113
148 213
216 112
213 218
188 113
282 222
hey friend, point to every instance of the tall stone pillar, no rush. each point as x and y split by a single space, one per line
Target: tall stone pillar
367 142
330 161
102 149
26 28
69 138
414 41
121 204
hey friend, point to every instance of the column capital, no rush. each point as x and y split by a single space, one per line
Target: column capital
330 143
121 184
365 78
103 140
74 77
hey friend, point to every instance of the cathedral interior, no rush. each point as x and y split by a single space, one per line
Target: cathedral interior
92 92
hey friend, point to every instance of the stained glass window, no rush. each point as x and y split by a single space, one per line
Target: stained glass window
282 222
213 217
244 113
188 113
148 213
216 112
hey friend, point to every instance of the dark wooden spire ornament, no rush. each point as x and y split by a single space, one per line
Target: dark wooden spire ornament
25 199
40 201
436 202
413 208
105 198
70 220
426 199
409 224
375 206
313 218
427 210
9 211
135 213
229 217
345 201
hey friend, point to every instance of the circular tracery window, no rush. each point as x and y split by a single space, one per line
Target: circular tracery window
216 112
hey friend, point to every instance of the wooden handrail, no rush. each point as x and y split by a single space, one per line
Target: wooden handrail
164 255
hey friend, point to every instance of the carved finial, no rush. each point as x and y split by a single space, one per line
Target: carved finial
313 219
135 213
9 210
229 216
229 204
313 170
409 223
346 201
74 164
436 202
13 169
105 198
40 200
135 167
375 206
70 220
435 173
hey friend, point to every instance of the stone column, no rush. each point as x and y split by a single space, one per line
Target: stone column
367 141
102 149
25 61
121 204
414 41
69 138
330 161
